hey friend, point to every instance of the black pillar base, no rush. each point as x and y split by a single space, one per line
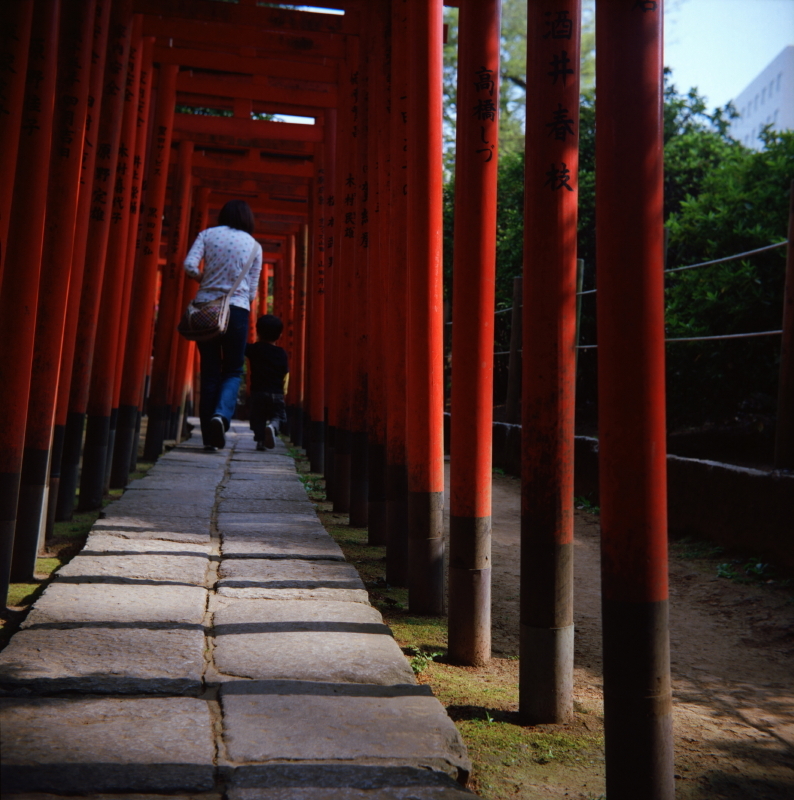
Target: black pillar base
9 494
155 432
95 451
316 450
330 460
114 419
426 552
136 441
58 434
342 472
397 524
122 449
30 514
70 465
359 479
377 533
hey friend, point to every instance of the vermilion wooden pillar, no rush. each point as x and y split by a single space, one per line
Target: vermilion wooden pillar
98 441
317 302
71 102
15 21
98 58
19 291
299 357
144 288
473 332
378 144
100 215
631 401
425 374
187 350
170 294
397 308
119 465
358 307
549 362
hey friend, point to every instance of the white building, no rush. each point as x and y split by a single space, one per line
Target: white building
769 99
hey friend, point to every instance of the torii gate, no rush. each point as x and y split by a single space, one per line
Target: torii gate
110 185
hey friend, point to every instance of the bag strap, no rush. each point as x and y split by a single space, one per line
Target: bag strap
244 272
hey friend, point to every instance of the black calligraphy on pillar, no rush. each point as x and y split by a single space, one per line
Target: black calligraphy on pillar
561 125
559 28
558 178
485 109
560 68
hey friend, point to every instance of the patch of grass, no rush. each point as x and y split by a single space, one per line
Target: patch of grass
583 504
690 548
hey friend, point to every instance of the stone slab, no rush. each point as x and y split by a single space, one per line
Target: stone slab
272 541
259 457
239 506
144 526
138 569
132 505
306 641
265 490
251 522
342 782
337 722
104 661
77 604
179 482
82 746
286 579
259 475
110 543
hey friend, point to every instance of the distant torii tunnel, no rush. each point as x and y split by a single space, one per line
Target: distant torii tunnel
127 124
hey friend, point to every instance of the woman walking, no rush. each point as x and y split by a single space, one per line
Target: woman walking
226 251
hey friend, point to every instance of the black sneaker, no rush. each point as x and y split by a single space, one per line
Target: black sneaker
270 437
216 433
260 445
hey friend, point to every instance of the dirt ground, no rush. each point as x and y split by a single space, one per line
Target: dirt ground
732 653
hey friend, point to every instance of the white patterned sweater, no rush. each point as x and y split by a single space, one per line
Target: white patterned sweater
225 252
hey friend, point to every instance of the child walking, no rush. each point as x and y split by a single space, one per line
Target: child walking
269 379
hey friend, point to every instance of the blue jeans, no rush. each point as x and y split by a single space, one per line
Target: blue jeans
221 370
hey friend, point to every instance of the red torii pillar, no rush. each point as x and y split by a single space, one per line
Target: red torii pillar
167 316
99 47
71 104
397 309
549 362
299 356
425 373
144 289
15 22
473 332
118 478
20 286
98 442
378 144
631 402
102 181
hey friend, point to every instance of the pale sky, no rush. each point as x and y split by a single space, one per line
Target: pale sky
721 45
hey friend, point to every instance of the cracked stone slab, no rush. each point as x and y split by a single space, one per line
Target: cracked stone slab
240 506
286 579
112 543
265 490
76 604
104 661
307 641
144 526
342 782
82 746
269 540
337 723
138 569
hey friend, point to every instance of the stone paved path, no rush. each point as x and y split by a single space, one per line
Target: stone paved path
210 640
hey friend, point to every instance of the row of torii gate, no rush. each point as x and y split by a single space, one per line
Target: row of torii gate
103 187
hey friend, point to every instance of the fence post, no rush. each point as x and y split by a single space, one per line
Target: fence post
784 434
513 405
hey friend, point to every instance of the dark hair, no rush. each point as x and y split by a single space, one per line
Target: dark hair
237 214
269 328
